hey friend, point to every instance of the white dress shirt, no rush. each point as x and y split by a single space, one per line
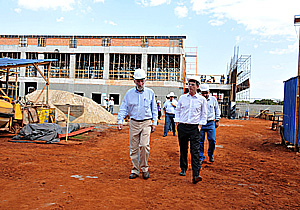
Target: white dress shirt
191 109
139 105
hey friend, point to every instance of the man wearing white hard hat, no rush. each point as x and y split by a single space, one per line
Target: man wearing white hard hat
213 117
111 104
139 103
169 108
190 115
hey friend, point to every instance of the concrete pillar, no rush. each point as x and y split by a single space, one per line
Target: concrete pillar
72 66
144 61
23 69
22 88
41 67
106 66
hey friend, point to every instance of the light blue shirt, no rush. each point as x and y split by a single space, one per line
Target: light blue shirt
139 105
213 110
169 108
191 109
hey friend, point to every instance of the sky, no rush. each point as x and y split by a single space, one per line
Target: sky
263 29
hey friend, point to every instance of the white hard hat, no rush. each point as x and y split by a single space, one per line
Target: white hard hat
111 97
139 74
158 101
193 77
204 87
171 94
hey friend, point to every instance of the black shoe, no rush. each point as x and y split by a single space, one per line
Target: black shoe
197 179
211 159
146 175
174 134
133 176
182 172
164 135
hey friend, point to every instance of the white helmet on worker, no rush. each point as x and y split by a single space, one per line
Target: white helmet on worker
204 87
171 94
139 74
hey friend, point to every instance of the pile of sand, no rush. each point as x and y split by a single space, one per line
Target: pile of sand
93 112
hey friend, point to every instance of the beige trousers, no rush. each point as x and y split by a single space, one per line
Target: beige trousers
139 140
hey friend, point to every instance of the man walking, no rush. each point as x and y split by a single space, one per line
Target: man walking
111 104
213 116
191 114
139 103
169 108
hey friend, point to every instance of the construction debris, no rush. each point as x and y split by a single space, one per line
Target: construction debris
91 113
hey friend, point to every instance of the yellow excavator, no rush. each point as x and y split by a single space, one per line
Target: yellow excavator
10 115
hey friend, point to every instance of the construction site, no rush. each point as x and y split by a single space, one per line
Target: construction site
65 80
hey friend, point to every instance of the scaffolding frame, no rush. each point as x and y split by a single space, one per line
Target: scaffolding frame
163 67
122 66
89 66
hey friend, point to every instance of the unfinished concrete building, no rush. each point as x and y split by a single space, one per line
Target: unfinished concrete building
98 66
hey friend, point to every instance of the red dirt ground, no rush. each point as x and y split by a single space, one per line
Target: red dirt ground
251 171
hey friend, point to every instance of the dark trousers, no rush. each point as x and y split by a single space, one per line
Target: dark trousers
186 133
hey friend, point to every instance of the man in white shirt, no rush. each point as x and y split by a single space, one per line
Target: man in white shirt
111 104
139 103
191 114
169 108
213 117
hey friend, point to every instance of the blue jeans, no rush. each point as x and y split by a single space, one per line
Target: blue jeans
169 118
209 128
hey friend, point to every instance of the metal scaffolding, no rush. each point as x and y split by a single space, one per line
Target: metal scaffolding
163 67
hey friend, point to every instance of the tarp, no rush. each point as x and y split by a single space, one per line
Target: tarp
44 132
10 62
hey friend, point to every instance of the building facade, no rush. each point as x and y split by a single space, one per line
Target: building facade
99 66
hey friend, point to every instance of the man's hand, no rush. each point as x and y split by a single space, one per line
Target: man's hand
217 124
199 127
120 126
153 127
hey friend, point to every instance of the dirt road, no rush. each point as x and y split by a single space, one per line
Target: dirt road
251 171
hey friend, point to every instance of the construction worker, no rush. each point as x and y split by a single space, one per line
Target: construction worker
190 115
169 108
213 117
159 109
139 103
111 104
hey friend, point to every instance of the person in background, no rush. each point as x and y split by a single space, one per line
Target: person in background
111 104
213 117
105 103
139 103
169 108
159 109
190 115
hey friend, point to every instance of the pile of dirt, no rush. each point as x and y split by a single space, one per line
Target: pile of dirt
92 111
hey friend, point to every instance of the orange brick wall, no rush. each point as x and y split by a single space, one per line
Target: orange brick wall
89 42
158 42
57 41
32 41
126 42
9 41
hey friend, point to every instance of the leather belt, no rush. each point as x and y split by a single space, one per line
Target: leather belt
139 120
189 125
